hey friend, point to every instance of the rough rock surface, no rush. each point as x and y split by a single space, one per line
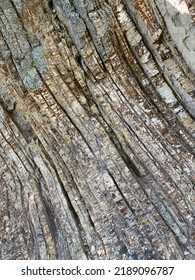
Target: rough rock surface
97 129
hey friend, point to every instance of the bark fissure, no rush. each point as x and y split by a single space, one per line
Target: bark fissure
97 130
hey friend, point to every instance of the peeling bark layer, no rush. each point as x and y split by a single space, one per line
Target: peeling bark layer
97 129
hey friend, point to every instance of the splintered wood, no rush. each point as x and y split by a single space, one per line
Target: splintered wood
97 129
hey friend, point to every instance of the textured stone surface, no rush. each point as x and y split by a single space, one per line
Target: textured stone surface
97 129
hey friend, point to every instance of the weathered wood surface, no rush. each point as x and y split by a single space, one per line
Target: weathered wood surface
97 129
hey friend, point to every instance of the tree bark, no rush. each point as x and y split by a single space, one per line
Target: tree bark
97 129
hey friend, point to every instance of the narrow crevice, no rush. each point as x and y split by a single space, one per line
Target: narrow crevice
129 163
74 214
122 195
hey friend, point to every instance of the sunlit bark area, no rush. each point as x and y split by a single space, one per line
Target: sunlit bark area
97 129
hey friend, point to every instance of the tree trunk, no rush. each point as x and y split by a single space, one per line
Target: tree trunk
97 129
